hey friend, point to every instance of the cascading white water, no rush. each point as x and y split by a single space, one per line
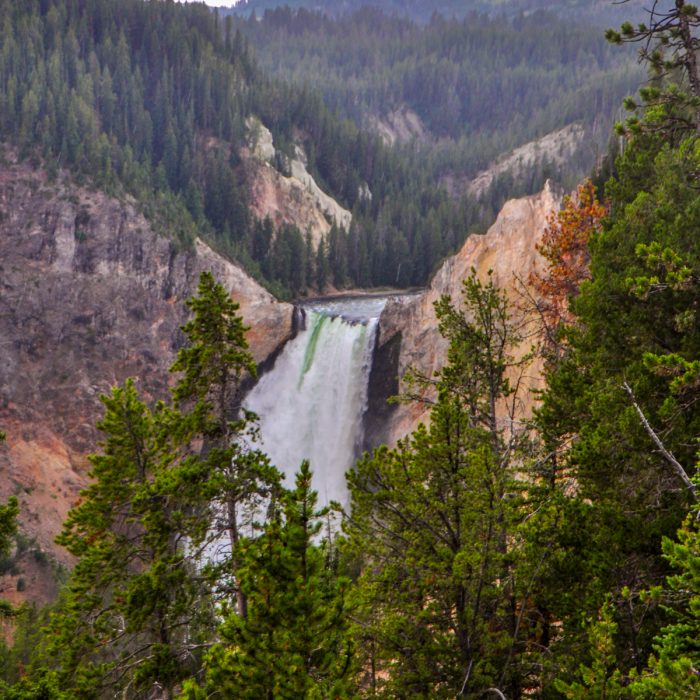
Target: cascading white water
312 402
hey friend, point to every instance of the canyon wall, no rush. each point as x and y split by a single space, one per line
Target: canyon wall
408 332
554 149
293 198
89 295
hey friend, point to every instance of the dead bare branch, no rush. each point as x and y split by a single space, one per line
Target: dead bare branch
494 690
677 466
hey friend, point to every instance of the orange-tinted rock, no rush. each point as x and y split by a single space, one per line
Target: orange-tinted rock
89 295
509 249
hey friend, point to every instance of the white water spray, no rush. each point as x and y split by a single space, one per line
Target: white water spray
312 402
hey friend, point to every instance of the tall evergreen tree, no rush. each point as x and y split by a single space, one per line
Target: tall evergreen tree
435 525
674 668
213 364
139 606
293 641
608 412
131 616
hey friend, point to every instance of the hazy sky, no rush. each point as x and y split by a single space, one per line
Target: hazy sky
216 3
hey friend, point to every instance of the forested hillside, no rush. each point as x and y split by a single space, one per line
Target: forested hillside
154 101
490 84
459 94
151 99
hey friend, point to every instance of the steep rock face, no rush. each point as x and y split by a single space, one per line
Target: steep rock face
295 198
509 249
89 295
402 125
556 148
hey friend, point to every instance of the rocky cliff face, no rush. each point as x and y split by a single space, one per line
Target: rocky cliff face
508 248
554 149
89 295
294 198
401 125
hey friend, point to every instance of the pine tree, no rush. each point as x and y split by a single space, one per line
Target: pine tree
214 362
633 328
130 617
8 528
601 679
292 644
674 668
322 267
434 524
139 605
669 45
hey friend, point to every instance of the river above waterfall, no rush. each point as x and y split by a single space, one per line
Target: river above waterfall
311 403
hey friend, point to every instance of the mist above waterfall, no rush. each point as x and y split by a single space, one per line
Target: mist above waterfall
312 402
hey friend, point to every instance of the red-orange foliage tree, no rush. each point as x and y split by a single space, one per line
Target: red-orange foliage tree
564 246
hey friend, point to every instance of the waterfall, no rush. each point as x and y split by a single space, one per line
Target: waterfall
312 401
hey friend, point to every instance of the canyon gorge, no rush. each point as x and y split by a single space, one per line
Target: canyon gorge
92 295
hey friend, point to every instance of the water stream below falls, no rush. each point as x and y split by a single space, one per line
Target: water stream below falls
312 401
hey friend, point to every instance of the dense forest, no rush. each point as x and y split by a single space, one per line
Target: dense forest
455 95
480 557
153 100
479 87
